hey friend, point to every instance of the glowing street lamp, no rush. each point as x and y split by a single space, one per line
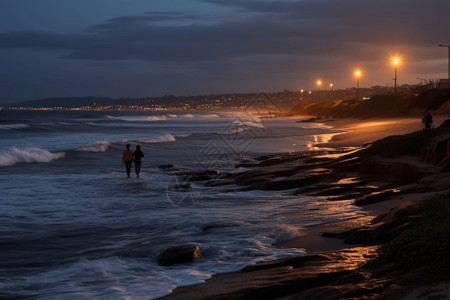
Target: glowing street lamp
301 95
357 75
396 62
319 83
331 88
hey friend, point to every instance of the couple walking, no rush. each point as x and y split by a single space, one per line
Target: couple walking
128 157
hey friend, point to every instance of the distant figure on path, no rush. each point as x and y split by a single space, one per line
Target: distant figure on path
138 155
127 159
428 121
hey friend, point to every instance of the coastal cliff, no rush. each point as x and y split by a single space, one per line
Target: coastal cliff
436 101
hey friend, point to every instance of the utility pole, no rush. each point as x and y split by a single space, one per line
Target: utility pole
448 46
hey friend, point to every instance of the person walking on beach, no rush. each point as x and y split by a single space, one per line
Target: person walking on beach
138 155
127 159
428 121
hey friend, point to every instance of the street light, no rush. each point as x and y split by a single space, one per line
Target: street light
448 46
301 95
319 83
331 87
357 75
396 62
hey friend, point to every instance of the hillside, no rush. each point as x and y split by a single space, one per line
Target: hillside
437 101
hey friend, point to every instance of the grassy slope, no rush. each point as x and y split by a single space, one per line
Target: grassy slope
425 246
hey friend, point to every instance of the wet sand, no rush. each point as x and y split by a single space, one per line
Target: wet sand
355 134
360 132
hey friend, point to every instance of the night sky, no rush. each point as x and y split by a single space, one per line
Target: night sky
136 48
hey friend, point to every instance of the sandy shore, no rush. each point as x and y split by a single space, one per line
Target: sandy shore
359 132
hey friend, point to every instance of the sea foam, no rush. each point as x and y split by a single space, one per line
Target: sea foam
100 146
138 118
28 155
159 139
13 126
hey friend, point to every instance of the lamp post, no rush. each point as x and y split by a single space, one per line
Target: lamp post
448 46
319 83
331 88
301 95
357 75
396 61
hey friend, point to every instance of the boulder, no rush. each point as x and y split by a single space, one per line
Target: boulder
218 225
179 255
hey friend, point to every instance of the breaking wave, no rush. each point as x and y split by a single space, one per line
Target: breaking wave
249 123
28 155
160 139
138 118
13 126
101 146
162 117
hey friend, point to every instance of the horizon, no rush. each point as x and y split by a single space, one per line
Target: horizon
201 47
313 91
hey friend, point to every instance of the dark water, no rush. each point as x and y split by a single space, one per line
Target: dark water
73 227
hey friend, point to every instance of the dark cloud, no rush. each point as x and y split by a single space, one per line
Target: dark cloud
268 28
258 39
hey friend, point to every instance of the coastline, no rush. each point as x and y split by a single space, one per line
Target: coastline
356 133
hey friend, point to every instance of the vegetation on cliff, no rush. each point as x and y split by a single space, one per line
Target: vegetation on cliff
379 106
426 245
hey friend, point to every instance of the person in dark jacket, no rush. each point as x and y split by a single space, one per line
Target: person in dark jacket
127 159
428 121
138 155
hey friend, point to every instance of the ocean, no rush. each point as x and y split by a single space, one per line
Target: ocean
73 226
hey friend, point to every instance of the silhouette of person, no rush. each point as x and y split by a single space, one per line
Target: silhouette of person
127 159
428 121
138 155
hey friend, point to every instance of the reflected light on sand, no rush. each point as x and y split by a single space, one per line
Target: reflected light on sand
374 124
321 139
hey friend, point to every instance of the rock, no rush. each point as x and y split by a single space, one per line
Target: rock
166 166
285 277
375 197
179 255
218 225
362 236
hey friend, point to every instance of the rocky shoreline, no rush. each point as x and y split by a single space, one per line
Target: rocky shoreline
390 179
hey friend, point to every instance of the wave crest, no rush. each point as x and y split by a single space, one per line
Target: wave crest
138 118
28 155
13 126
160 139
100 146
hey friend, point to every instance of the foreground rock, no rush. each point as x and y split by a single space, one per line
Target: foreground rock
383 228
179 255
327 275
281 277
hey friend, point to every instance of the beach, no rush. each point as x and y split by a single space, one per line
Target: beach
243 194
75 226
336 250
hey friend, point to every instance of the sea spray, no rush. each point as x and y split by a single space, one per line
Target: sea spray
100 146
28 155
160 139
